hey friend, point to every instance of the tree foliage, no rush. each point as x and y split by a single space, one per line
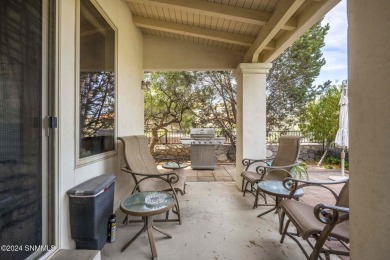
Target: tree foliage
170 101
322 116
97 105
289 82
220 108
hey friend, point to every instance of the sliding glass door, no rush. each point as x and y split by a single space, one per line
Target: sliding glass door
24 46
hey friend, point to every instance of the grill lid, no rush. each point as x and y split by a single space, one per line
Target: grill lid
202 133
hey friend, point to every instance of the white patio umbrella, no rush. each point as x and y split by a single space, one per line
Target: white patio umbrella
342 136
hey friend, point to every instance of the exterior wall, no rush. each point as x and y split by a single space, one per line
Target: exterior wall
129 102
173 55
369 95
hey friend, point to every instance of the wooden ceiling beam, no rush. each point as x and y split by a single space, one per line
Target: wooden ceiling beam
190 30
218 10
284 11
313 14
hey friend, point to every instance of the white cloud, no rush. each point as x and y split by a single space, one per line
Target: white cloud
335 49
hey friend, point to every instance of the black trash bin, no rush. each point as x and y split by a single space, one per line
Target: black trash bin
91 205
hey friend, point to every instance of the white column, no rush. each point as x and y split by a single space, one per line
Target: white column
251 113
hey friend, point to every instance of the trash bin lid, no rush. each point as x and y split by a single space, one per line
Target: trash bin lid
92 187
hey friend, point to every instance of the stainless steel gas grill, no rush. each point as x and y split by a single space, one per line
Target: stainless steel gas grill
202 141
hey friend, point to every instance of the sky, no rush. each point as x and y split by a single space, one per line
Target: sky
335 49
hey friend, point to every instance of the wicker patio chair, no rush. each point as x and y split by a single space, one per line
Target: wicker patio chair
271 169
322 222
142 167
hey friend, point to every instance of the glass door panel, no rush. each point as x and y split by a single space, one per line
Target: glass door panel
20 127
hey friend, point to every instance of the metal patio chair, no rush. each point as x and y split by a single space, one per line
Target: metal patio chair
322 222
142 167
271 169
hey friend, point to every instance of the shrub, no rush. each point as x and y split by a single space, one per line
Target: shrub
336 161
300 171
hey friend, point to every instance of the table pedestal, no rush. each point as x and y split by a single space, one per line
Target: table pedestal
146 205
148 226
275 207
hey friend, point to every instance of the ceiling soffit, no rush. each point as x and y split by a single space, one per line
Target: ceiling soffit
260 29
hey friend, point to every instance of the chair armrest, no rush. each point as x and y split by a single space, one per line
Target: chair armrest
294 184
329 214
170 177
263 168
248 162
289 179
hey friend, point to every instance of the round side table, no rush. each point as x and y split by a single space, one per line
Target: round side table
174 165
146 205
276 188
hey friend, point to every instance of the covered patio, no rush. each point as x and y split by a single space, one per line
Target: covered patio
219 223
42 113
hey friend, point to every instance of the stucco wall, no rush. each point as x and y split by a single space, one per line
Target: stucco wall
169 54
129 101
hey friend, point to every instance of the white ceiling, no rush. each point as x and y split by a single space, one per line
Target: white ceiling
260 29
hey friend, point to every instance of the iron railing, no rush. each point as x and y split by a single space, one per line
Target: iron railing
273 137
168 137
173 137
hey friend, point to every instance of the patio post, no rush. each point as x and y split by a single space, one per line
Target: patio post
368 81
251 113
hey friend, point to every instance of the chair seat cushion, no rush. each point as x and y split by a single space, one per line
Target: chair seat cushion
156 184
302 216
252 177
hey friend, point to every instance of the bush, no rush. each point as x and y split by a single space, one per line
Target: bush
300 171
331 160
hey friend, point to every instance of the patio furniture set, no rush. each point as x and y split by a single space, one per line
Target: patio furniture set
322 222
155 193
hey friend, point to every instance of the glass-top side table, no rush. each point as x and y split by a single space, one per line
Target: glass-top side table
174 165
276 188
146 205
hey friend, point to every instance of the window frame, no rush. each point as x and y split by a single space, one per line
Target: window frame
80 162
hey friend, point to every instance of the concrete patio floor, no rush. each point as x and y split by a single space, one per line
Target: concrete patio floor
222 173
218 223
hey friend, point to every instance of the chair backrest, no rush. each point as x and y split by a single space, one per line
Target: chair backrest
137 155
288 153
343 199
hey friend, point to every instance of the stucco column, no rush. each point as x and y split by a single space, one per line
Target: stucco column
369 101
251 113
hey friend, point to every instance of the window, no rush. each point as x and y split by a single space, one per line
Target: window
97 81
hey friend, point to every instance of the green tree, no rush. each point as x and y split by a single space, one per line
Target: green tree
321 118
169 101
289 81
220 108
